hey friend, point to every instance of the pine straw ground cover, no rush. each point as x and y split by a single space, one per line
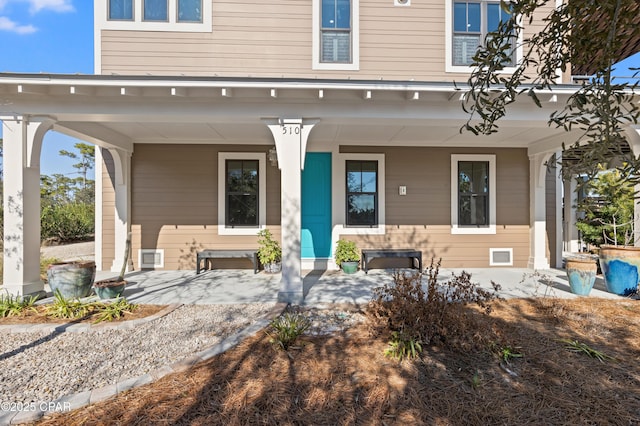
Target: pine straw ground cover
343 378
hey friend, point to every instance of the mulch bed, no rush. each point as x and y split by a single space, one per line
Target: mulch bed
343 378
38 316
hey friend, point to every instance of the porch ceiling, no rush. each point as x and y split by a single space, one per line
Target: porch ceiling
123 111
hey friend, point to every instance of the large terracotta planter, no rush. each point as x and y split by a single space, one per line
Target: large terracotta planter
71 279
581 271
620 268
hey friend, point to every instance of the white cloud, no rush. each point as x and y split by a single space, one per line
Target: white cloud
36 6
7 24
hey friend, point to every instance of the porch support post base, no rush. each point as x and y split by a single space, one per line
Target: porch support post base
292 297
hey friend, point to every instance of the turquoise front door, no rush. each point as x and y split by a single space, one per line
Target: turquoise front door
316 206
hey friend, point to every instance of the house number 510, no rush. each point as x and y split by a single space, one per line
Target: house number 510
290 130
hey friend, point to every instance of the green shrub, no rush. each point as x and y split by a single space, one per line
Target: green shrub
114 310
269 250
286 328
14 305
67 222
423 316
401 347
346 251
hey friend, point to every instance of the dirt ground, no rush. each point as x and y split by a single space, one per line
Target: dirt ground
39 316
344 378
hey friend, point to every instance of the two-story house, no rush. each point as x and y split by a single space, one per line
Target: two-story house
316 119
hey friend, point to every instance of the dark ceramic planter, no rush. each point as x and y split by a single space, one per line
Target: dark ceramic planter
71 279
620 268
109 289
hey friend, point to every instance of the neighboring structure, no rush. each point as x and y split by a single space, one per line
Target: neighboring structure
319 120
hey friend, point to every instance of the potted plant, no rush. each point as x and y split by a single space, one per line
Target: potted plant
608 223
71 279
269 252
347 256
114 287
581 272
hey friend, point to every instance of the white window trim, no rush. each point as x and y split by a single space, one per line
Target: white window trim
262 192
355 39
491 228
137 24
449 67
339 199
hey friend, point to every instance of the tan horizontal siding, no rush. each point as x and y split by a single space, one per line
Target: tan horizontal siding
421 219
175 202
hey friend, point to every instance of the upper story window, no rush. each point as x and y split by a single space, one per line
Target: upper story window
156 10
336 31
154 15
468 23
121 10
189 10
336 34
472 21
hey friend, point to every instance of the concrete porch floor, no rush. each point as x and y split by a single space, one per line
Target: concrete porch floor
229 286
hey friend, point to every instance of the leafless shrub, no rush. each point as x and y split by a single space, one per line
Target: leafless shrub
439 313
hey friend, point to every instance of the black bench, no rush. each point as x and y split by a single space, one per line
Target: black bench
206 256
369 254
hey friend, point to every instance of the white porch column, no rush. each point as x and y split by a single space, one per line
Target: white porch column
290 137
558 213
634 144
571 237
122 189
537 212
22 145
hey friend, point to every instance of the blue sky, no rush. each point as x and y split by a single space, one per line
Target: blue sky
48 36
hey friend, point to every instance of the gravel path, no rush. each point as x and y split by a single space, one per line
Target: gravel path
41 367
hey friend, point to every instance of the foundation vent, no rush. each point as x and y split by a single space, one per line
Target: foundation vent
150 258
501 256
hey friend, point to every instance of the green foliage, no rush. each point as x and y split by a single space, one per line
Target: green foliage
286 328
14 305
269 250
404 307
346 251
402 347
507 353
67 222
114 310
67 308
607 210
587 35
576 346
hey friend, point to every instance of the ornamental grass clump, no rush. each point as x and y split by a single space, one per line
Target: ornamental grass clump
11 305
431 314
285 329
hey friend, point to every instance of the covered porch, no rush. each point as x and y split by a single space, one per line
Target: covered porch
143 115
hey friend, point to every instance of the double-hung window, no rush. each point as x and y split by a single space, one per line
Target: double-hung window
120 10
362 193
473 198
472 21
241 193
335 31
